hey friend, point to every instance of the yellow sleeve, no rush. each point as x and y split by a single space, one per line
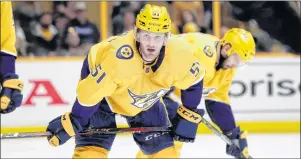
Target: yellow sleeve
206 51
8 35
194 75
100 82
222 91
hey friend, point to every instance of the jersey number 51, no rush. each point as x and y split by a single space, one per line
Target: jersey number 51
98 72
195 69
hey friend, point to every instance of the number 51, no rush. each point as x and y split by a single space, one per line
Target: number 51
195 69
98 70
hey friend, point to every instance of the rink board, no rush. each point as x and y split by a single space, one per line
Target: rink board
265 96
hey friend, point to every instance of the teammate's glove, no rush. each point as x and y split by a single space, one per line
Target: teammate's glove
186 123
240 140
10 95
63 128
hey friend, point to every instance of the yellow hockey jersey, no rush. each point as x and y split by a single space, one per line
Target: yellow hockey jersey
119 75
8 35
216 82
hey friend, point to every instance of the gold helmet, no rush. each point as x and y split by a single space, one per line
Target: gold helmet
242 43
154 19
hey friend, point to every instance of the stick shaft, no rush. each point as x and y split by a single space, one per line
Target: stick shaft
113 131
93 131
125 130
25 135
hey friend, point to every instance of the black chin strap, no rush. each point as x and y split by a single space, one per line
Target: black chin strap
221 61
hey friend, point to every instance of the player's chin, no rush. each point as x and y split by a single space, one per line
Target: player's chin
149 57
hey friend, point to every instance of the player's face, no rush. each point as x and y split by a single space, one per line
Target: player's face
232 61
150 44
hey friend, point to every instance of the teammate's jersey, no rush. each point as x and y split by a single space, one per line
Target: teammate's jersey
216 82
129 87
8 35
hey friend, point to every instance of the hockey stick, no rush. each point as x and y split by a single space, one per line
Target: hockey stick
93 131
222 136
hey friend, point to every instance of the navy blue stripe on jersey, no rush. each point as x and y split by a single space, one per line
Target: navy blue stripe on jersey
85 69
7 63
192 96
221 114
83 113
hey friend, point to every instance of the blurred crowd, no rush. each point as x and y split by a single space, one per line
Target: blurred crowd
69 31
66 31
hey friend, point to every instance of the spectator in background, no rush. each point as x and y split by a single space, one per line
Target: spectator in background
123 15
69 10
60 22
129 21
21 43
183 12
190 23
174 28
134 6
278 19
86 30
45 35
74 47
187 16
59 8
207 17
124 21
118 8
191 27
73 41
226 24
27 12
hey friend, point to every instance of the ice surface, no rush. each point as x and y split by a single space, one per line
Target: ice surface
206 146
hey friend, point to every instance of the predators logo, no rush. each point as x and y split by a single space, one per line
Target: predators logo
125 52
208 51
145 101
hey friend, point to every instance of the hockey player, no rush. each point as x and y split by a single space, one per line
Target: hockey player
10 93
221 58
129 75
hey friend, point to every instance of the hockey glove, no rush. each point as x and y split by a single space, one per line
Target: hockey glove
239 139
63 128
186 123
10 95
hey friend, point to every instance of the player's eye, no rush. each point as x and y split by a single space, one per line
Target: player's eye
158 38
146 37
